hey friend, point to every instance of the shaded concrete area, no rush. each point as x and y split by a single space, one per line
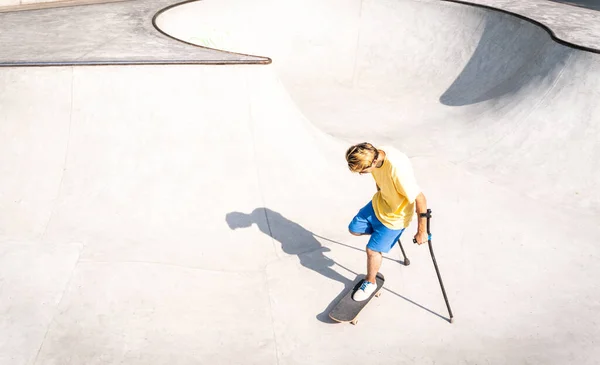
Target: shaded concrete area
495 69
198 213
574 26
589 4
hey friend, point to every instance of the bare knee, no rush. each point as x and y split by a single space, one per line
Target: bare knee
372 253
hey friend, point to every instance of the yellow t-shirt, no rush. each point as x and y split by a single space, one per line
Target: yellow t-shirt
394 204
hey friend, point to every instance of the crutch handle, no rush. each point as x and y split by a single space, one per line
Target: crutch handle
428 238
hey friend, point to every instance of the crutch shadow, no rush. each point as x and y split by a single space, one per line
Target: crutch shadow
324 317
348 286
298 241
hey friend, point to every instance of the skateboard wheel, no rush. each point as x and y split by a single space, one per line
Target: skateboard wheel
354 322
378 294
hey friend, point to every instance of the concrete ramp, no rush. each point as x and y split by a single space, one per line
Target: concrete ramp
198 214
480 87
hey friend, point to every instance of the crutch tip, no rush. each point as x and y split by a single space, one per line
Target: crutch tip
451 320
406 262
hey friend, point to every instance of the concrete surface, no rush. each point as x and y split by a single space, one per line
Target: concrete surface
16 5
571 25
589 4
100 34
6 3
193 214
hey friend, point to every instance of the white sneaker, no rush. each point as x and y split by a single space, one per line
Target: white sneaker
364 292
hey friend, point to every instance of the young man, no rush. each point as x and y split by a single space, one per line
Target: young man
390 211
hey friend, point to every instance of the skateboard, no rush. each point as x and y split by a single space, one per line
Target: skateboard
347 309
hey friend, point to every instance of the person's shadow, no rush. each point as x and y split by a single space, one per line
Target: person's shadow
295 240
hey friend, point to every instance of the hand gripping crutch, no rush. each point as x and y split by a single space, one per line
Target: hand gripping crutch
428 215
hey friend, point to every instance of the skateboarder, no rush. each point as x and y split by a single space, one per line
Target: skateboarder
390 210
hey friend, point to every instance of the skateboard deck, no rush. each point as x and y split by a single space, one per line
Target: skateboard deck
347 309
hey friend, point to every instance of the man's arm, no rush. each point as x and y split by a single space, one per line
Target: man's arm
421 207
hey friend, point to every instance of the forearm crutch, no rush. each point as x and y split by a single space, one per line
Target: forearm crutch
406 260
428 215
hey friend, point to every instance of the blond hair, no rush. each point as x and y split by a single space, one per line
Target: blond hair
360 156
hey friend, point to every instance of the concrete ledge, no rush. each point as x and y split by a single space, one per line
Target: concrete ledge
569 25
117 33
51 4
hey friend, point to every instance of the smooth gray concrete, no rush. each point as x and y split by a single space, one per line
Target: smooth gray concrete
575 26
589 4
115 33
24 5
198 213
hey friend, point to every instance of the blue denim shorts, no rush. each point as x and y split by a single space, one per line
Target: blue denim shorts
382 238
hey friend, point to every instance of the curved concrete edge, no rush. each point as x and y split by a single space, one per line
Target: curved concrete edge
498 8
124 61
138 63
267 59
546 27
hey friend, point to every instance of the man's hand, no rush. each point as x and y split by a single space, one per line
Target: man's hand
421 237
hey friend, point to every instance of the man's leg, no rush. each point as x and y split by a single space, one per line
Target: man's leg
369 285
382 241
374 259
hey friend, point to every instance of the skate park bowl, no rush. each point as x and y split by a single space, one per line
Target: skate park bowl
199 213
